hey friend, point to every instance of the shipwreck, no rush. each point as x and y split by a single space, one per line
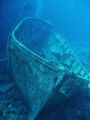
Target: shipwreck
43 65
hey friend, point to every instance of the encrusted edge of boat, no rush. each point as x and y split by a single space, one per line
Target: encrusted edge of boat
50 64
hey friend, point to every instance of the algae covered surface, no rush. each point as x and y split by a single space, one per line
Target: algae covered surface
13 106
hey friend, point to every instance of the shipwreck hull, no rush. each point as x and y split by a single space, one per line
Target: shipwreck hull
43 79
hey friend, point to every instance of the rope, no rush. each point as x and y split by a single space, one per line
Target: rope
24 6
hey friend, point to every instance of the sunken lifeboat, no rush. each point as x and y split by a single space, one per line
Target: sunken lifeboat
43 65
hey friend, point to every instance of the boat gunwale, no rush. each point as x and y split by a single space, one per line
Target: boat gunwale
50 64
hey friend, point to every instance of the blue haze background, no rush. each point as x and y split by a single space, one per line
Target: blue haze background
70 17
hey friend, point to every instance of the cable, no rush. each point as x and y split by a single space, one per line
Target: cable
24 6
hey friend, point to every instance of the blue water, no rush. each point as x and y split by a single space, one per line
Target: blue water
9 12
72 19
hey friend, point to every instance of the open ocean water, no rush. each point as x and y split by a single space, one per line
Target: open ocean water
72 19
